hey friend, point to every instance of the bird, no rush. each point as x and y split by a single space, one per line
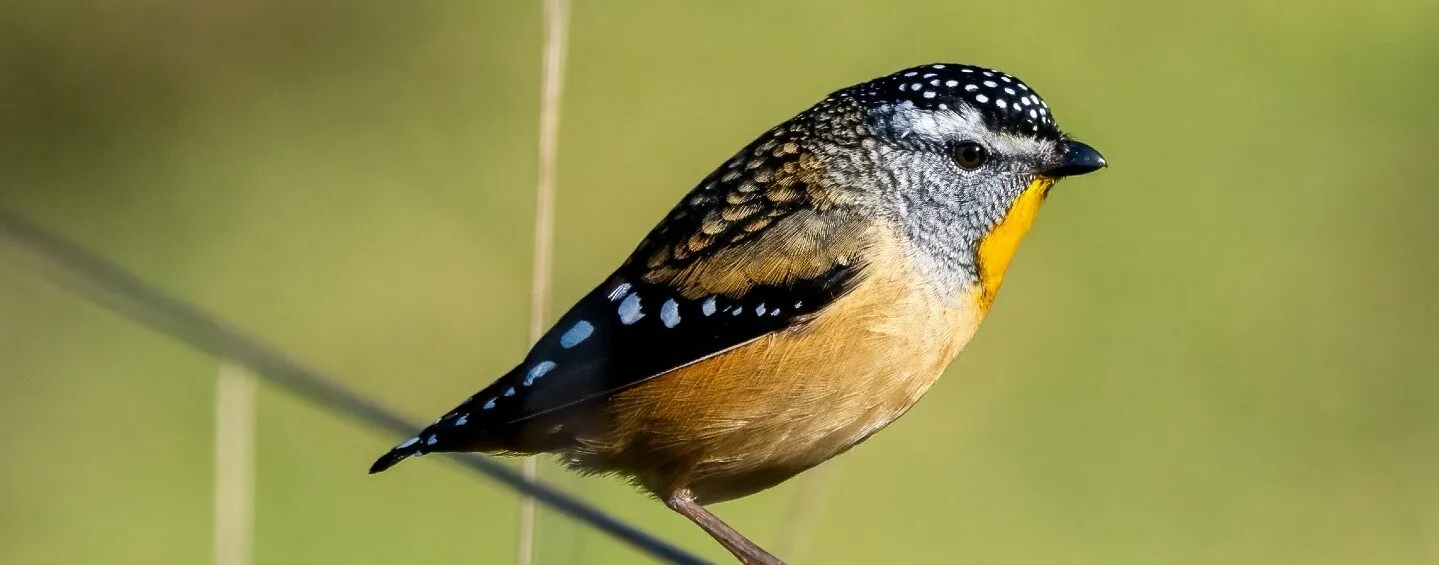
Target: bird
800 298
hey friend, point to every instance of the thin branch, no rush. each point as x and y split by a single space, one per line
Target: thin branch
112 287
556 23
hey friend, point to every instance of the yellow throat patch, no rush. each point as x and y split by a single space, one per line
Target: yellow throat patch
998 247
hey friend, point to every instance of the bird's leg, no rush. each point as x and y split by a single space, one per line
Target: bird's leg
742 548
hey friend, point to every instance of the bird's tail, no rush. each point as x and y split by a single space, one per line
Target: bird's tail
404 450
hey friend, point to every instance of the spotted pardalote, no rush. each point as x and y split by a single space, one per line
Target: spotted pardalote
797 300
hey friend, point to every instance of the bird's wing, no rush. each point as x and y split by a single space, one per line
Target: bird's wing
754 249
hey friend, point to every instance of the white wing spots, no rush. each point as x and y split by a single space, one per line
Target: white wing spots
1006 78
408 442
1009 91
1000 103
910 74
990 83
929 94
488 405
981 98
576 334
937 66
971 87
462 420
510 391
630 309
1033 114
988 74
536 372
620 290
951 83
708 307
670 313
759 310
966 70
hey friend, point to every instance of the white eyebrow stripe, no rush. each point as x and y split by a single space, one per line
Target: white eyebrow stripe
939 125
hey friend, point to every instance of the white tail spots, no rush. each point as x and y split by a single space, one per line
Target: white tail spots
488 405
510 391
408 442
434 439
708 307
462 420
759 310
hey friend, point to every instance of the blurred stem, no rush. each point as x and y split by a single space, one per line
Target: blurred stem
234 464
805 511
556 23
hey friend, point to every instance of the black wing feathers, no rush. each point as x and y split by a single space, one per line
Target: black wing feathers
621 334
649 318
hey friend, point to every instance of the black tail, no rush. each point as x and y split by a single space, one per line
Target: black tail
401 452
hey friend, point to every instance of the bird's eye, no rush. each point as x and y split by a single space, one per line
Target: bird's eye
970 155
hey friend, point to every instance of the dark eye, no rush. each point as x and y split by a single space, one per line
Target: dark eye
970 155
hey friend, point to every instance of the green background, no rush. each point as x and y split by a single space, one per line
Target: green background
1219 350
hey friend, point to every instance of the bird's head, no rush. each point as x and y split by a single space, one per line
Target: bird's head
960 156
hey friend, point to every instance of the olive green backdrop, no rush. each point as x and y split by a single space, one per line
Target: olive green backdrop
1219 350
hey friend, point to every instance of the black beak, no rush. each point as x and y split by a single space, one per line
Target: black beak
1078 159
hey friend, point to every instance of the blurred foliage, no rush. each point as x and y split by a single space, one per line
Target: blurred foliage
1220 350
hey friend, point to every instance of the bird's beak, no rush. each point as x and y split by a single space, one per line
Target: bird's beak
1078 159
